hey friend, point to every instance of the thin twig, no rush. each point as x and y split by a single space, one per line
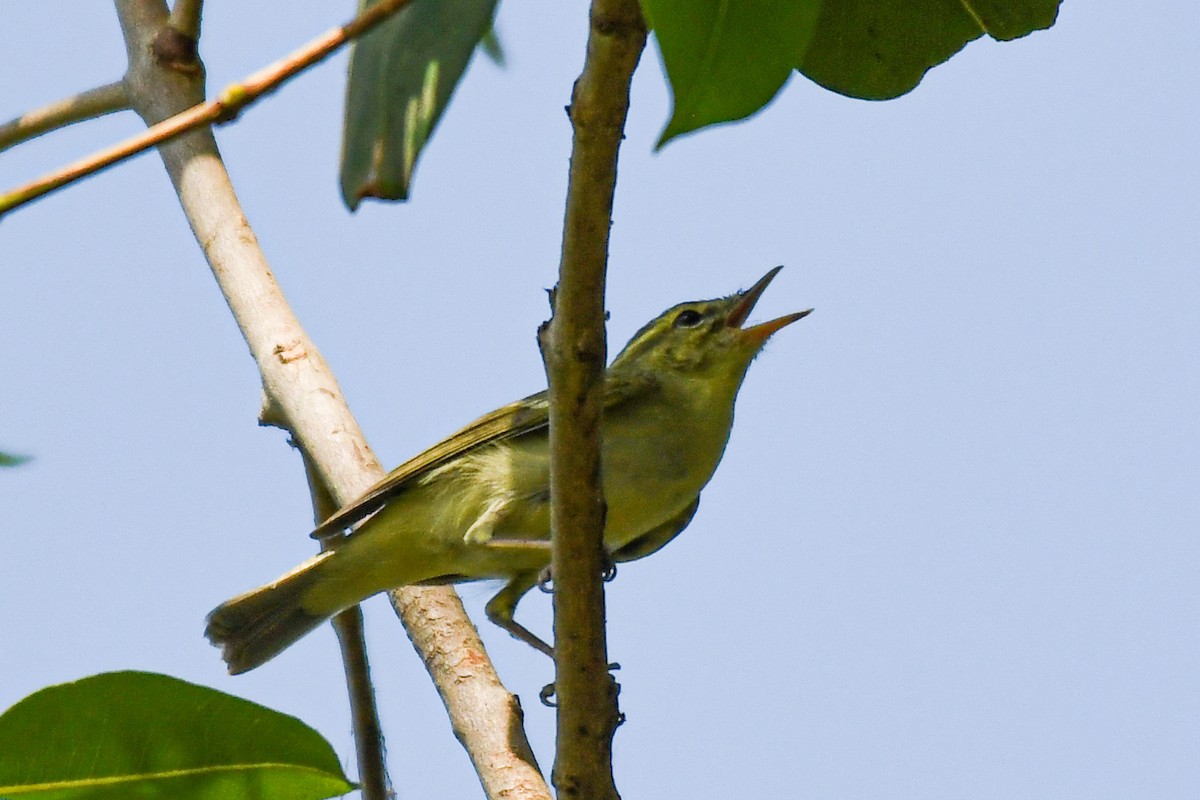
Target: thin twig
373 777
364 714
84 106
185 18
573 346
224 108
304 394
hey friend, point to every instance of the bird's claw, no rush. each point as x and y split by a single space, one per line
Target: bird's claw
545 580
608 569
546 695
608 572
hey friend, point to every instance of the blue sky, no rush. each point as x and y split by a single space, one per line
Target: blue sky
952 549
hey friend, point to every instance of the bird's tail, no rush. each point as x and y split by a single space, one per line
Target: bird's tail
253 628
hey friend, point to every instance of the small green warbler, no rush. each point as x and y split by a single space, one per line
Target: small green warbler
476 505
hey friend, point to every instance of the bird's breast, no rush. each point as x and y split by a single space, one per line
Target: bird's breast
656 462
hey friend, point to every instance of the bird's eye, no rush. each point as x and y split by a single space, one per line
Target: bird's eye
688 318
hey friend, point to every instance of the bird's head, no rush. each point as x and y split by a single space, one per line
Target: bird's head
705 338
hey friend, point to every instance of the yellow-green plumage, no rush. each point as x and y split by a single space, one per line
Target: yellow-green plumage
476 505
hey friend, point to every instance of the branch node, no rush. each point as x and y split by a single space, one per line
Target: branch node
287 352
232 100
176 51
271 414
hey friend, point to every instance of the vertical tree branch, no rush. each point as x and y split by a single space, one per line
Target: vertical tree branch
573 346
302 393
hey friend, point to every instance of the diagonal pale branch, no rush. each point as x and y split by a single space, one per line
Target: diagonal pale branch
303 394
224 108
87 105
573 346
487 719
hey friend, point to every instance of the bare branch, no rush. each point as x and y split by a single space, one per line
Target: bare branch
225 108
185 18
304 394
364 714
84 106
486 717
573 346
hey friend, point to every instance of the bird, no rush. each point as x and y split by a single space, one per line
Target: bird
476 505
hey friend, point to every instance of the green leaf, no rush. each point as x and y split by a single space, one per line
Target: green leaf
401 77
146 736
726 59
879 49
9 460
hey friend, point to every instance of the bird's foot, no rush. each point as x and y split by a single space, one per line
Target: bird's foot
608 572
546 695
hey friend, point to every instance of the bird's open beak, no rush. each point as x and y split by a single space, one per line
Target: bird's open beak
745 305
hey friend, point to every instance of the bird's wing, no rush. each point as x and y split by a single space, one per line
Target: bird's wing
655 539
522 417
517 419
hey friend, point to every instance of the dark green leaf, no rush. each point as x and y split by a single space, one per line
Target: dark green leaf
9 460
726 59
146 736
879 49
401 77
1011 19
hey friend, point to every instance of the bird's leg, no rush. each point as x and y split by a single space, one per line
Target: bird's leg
544 579
501 608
